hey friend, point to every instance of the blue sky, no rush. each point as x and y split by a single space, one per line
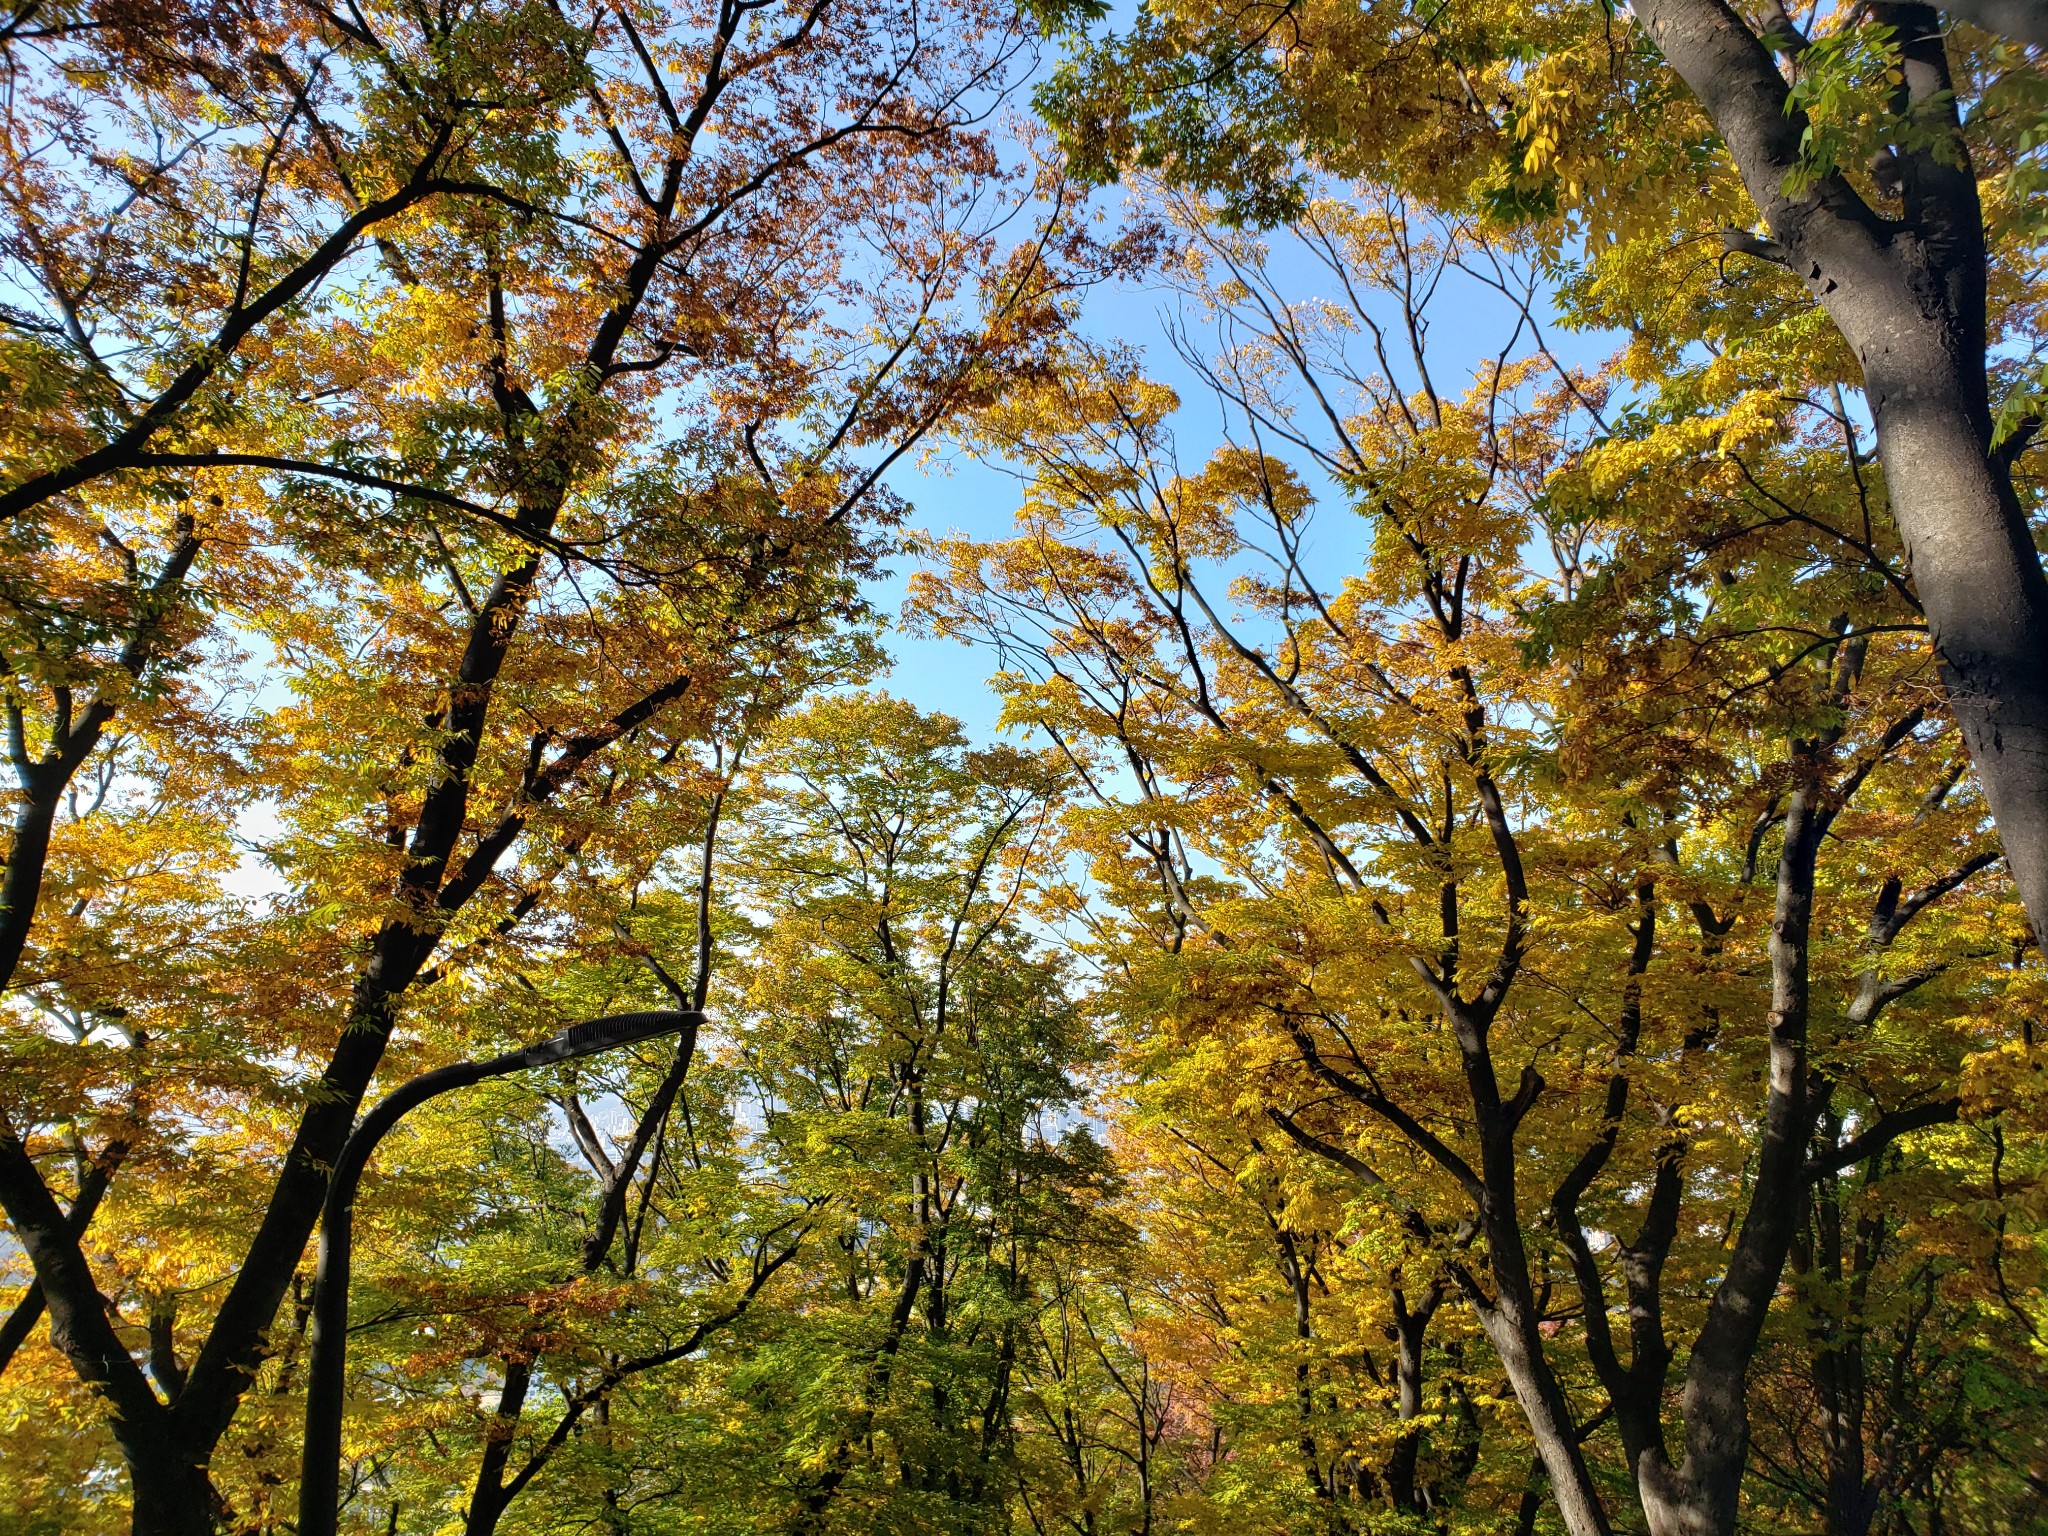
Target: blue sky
950 492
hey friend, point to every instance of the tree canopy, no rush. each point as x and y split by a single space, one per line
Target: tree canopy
1486 979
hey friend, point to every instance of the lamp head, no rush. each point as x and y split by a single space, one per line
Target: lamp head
615 1029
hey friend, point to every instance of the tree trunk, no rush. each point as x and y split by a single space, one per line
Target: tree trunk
1411 1328
1980 580
173 1496
236 1345
2024 21
1840 1371
1512 1331
92 1187
1701 1496
1296 1275
1837 1364
1511 1319
1908 296
1408 1377
489 1500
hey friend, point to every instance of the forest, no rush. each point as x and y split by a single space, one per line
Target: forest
1024 768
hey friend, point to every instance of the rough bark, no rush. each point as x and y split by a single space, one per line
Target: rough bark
1908 296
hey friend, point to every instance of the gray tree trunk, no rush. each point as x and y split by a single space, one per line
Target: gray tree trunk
1908 295
2024 21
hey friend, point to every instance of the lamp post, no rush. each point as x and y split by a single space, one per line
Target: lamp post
320 1467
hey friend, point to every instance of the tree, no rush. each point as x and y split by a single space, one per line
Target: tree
820 286
1329 1369
184 181
1489 1000
1400 888
1884 155
675 1242
915 1059
1894 1373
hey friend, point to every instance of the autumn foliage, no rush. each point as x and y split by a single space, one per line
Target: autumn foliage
1484 985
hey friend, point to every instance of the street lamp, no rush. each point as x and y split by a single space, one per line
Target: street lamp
320 1468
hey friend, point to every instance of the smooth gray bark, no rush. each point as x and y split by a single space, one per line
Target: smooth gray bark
1908 296
2024 21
